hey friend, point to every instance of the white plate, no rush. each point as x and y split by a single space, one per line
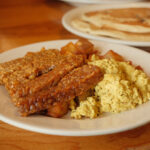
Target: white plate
69 16
105 124
83 2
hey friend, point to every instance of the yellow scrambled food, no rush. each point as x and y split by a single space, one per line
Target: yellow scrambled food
122 87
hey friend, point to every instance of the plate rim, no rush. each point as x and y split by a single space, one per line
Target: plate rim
68 132
99 1
66 23
59 132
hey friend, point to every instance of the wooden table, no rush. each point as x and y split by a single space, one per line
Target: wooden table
28 21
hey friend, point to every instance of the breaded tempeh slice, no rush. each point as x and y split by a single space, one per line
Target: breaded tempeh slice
77 83
28 67
51 78
73 84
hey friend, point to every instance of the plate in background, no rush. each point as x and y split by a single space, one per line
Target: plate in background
70 15
84 2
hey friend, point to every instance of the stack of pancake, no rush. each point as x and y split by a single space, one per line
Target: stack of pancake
131 24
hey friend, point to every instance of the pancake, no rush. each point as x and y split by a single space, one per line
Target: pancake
109 32
135 20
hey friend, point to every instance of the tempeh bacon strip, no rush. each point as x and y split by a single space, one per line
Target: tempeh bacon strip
16 73
73 84
51 78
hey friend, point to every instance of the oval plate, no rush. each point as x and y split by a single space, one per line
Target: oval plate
83 2
105 124
70 15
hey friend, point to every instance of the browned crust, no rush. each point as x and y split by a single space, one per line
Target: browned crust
49 79
73 84
29 67
141 15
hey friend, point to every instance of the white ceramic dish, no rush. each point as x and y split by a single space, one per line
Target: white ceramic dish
105 124
83 2
69 16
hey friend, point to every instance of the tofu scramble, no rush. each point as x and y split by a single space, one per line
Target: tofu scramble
122 87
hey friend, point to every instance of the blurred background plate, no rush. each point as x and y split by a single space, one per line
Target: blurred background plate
70 15
83 2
